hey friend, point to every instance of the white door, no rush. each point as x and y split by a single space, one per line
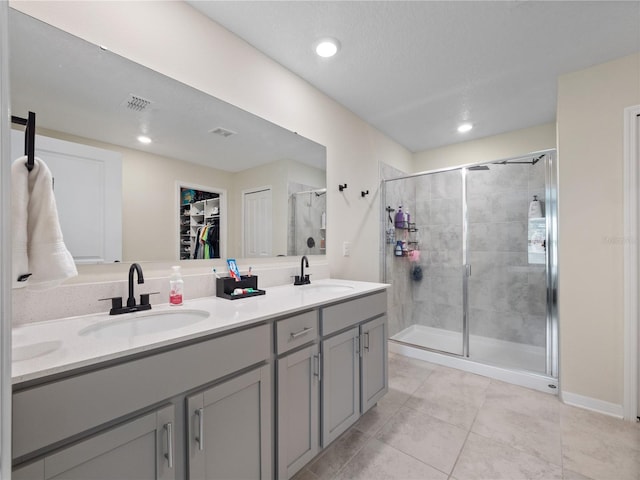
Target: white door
88 192
257 230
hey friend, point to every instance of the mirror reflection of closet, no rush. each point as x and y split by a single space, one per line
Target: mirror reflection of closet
201 222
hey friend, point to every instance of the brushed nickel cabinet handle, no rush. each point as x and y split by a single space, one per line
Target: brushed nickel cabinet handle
200 436
169 455
302 332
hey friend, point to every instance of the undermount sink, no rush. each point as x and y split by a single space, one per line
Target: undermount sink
34 350
327 288
145 323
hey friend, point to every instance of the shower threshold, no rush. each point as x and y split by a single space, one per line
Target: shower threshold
512 362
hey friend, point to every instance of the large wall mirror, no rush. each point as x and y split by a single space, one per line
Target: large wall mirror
270 182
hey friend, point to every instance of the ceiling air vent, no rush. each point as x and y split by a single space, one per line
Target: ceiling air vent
136 103
223 132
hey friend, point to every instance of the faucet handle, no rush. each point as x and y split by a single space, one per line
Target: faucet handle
144 297
116 303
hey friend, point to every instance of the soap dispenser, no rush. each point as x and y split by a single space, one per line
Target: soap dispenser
176 286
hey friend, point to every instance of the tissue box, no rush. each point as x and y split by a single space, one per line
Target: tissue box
225 286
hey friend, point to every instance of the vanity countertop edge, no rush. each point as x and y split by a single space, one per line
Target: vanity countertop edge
72 351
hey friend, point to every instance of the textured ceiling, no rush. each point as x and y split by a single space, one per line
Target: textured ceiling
416 69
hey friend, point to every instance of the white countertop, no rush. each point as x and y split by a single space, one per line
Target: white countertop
58 346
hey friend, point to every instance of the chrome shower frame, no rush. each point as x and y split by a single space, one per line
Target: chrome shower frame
551 215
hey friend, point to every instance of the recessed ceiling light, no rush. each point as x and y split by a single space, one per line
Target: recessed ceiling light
465 127
144 139
327 47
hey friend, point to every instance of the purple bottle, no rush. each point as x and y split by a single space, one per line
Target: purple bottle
399 221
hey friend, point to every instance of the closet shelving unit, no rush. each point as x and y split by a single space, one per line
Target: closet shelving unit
201 210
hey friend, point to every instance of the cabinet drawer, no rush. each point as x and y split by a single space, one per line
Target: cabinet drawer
338 317
296 331
54 411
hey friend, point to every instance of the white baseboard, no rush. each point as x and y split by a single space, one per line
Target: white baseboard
593 404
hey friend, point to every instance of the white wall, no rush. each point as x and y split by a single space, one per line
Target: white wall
591 235
200 53
496 147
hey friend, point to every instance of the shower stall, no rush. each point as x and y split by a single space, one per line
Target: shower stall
472 263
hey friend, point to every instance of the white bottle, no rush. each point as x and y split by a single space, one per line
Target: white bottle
535 208
176 286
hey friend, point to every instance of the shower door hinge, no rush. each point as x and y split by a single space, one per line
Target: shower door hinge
468 269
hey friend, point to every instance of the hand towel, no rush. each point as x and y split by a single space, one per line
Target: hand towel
38 246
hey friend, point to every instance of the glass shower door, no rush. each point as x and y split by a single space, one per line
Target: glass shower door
427 275
507 282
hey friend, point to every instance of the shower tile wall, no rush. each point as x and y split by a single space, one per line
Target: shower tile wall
437 298
400 312
507 295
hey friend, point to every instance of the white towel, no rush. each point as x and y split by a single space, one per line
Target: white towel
38 247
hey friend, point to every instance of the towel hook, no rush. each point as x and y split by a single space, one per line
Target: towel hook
29 137
342 187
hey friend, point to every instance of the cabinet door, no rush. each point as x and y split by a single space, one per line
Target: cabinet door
298 411
374 362
33 471
229 429
340 384
142 448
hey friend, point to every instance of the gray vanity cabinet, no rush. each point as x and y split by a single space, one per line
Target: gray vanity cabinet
229 429
298 410
374 361
142 448
340 383
354 361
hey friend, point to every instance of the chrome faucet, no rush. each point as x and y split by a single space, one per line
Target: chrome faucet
302 279
131 301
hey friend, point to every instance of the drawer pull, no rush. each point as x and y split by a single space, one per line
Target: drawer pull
169 455
302 332
200 436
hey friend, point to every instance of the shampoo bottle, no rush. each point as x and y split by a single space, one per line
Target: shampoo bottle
176 286
399 220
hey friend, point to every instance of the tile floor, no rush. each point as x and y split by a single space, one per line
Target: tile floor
437 423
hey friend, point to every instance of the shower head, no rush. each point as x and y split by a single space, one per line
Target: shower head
479 167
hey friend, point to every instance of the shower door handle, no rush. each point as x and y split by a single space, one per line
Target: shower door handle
468 269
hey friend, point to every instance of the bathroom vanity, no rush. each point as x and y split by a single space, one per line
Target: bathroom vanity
253 388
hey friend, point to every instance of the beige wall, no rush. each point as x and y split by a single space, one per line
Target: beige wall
496 147
200 53
591 236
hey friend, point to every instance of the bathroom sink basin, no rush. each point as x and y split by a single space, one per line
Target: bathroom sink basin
34 350
145 323
327 288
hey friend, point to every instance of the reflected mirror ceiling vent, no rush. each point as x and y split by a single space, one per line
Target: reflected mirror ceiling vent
223 132
136 103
